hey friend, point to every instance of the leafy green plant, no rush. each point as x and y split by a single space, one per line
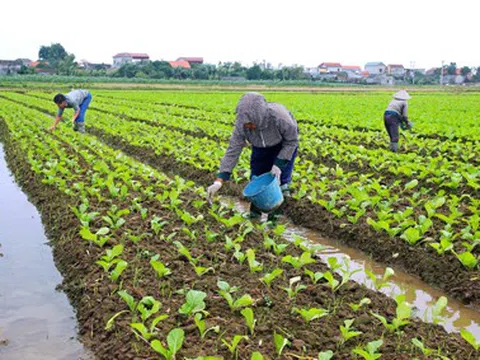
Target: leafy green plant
269 277
403 312
193 303
369 352
256 356
232 347
363 302
298 262
98 238
226 292
202 325
175 340
157 224
129 300
110 257
159 267
346 331
148 306
315 277
148 333
325 355
468 336
280 343
311 314
249 319
293 291
379 284
114 218
254 265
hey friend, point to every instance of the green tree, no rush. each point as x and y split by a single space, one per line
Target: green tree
67 65
452 68
466 70
254 72
53 54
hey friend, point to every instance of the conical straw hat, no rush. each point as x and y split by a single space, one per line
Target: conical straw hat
402 95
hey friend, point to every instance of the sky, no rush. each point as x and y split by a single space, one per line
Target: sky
415 33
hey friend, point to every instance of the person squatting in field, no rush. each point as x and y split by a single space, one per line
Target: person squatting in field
272 131
79 100
397 115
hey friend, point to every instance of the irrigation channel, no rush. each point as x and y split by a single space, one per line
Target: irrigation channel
422 296
36 321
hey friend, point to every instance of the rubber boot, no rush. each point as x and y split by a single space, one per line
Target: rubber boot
255 213
394 146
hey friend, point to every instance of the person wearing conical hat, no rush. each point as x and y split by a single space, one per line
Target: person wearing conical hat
395 116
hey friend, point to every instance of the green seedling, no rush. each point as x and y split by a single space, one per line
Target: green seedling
269 277
159 267
346 332
110 257
174 341
298 262
83 215
254 265
118 270
157 224
129 300
311 314
315 277
467 259
111 321
238 254
249 319
383 282
291 291
369 352
226 292
232 347
325 355
183 250
280 343
148 306
98 238
403 312
270 243
202 325
256 356
201 270
468 336
193 303
148 333
363 302
114 218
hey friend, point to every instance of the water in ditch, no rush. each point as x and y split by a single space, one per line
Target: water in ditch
422 296
36 321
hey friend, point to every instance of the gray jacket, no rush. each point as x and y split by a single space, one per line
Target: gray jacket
400 107
274 125
74 100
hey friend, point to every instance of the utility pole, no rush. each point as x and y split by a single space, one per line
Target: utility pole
412 69
441 73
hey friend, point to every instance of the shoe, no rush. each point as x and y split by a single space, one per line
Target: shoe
394 146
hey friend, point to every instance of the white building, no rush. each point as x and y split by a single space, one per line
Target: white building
376 68
123 58
396 70
330 67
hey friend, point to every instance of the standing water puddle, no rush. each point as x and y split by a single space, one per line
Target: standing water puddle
422 296
36 322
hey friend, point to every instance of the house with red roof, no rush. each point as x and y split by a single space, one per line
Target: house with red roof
330 67
180 64
352 69
191 60
125 57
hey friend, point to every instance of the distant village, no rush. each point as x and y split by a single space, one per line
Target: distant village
371 73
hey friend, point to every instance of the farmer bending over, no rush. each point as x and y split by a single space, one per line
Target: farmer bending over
273 133
397 115
79 101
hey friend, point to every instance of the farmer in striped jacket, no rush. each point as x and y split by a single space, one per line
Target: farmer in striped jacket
272 131
79 100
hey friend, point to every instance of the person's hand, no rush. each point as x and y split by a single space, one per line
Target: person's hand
213 189
73 121
276 172
52 128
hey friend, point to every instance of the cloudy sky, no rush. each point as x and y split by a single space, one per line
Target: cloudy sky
305 32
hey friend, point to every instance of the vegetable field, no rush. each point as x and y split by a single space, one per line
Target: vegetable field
154 271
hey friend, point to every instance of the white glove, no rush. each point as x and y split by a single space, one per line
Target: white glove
212 190
276 172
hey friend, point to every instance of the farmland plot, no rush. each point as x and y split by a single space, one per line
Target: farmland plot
154 271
